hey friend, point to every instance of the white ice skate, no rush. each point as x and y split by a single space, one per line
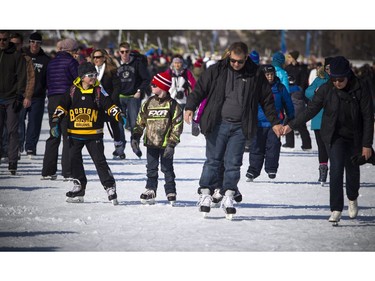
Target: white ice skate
148 197
227 204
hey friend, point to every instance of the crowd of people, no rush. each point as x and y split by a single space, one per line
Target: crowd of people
239 101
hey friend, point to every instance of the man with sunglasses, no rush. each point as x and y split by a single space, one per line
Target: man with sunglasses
134 82
12 87
347 130
233 87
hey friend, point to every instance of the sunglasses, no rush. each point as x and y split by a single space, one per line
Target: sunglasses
4 39
97 57
126 51
237 61
340 79
91 75
153 86
35 41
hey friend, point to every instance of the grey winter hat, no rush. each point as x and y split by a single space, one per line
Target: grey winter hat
86 67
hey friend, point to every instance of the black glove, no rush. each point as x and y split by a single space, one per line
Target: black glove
135 146
168 152
359 159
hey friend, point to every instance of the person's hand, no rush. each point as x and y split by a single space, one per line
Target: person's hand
286 130
122 119
55 132
278 130
26 103
366 152
188 116
137 95
135 147
168 152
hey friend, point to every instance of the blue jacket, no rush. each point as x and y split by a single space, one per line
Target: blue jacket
282 101
61 72
316 122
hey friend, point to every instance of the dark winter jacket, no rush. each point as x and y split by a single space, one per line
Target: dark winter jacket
211 85
40 62
133 75
12 73
85 110
352 104
61 72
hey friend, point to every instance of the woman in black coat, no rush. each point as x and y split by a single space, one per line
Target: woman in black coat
347 131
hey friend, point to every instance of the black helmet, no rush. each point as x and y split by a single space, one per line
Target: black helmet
268 68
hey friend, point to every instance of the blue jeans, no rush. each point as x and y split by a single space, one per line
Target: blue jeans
339 153
131 107
29 135
264 148
225 144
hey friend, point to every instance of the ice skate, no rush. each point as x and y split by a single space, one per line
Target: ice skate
171 197
323 172
112 195
272 175
227 204
249 177
216 198
12 168
204 202
237 196
148 197
353 209
77 193
119 151
335 218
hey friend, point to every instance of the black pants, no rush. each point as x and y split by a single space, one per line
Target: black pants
51 153
153 156
322 150
96 151
340 152
9 119
305 136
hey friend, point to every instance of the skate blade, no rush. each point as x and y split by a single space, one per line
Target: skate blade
78 199
204 215
336 223
172 203
249 180
229 216
114 202
148 202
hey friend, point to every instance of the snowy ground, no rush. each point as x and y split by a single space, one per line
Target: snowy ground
288 214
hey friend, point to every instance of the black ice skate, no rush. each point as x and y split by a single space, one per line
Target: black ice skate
112 195
148 197
12 168
77 193
323 172
171 197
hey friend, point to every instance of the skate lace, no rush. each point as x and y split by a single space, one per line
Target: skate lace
204 200
149 192
217 194
77 186
227 202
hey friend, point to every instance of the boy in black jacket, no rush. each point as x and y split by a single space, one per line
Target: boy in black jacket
86 103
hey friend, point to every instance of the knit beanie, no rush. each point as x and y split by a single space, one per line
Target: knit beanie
163 80
340 67
35 36
68 45
254 57
278 59
294 54
86 67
